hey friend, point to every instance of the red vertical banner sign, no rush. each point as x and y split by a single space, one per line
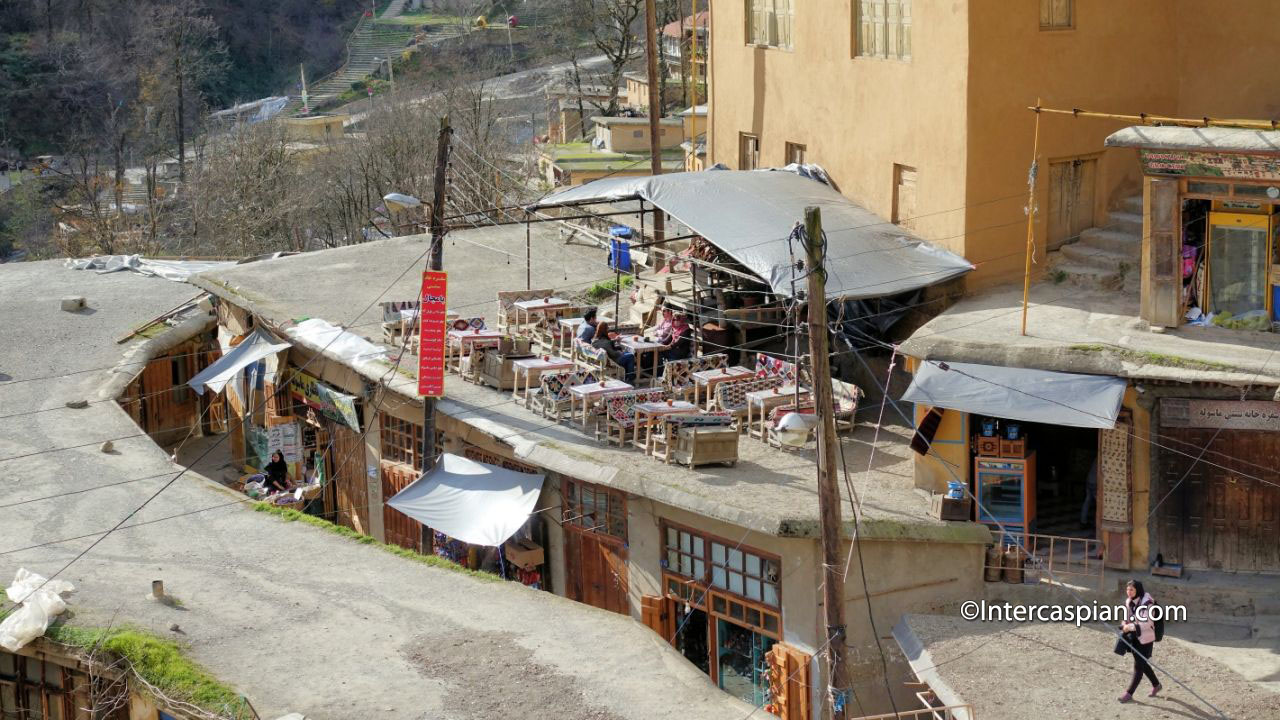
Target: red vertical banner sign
432 329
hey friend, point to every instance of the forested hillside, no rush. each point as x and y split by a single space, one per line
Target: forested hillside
69 66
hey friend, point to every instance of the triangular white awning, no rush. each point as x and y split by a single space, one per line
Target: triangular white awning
1054 398
258 345
470 501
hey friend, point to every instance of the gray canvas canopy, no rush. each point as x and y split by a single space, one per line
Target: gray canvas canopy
750 214
1055 398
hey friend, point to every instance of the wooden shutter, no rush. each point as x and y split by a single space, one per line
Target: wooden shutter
655 612
789 682
400 529
1114 491
904 30
1162 253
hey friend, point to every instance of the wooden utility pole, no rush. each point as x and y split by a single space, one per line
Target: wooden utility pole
655 107
435 262
828 490
1031 217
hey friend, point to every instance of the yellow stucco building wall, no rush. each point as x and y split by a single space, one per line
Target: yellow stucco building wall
953 116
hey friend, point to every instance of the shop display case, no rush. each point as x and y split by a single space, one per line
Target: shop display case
1005 488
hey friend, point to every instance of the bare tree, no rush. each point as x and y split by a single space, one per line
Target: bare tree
247 188
612 27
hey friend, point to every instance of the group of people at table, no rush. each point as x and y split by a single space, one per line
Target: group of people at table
672 333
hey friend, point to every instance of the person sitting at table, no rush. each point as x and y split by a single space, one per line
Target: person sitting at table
678 342
587 332
625 358
277 472
663 327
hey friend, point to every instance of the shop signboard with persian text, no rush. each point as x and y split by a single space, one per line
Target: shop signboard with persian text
1220 414
285 438
432 333
1192 163
337 406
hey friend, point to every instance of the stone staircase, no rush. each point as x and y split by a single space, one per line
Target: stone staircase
1105 257
368 43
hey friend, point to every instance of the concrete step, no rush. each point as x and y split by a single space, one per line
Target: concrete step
1124 221
1063 270
1105 258
1132 204
1116 240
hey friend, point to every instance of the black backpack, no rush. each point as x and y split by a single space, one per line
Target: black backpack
1159 622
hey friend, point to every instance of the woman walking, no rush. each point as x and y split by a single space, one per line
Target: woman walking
1140 631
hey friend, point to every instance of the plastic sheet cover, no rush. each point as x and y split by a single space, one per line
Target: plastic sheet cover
176 270
750 214
41 601
250 350
471 501
336 342
1054 398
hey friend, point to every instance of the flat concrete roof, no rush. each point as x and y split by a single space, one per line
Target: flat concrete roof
296 618
1062 671
1095 332
769 490
1205 139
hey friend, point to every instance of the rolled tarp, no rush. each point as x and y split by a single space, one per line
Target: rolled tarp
471 501
253 348
1043 396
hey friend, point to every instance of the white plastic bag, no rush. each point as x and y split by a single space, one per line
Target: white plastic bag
41 601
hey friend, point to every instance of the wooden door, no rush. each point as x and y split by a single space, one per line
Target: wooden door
213 407
595 570
1071 197
904 196
350 496
400 529
1218 517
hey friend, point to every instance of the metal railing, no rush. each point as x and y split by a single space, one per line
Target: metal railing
929 712
1051 558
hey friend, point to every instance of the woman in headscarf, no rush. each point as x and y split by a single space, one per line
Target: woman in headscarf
678 341
1140 632
277 472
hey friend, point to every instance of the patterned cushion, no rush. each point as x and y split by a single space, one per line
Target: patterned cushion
732 396
845 396
677 375
621 407
767 366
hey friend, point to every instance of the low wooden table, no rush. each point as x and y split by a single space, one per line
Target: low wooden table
590 393
710 378
639 347
531 369
648 413
526 309
464 341
569 329
766 400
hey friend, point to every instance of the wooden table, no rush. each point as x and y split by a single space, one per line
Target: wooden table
638 345
527 308
465 341
647 413
767 399
569 329
591 392
710 378
532 369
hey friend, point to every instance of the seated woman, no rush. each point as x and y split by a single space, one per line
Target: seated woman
625 358
664 325
678 342
277 472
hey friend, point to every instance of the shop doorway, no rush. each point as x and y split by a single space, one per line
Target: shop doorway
595 555
742 665
1035 477
691 634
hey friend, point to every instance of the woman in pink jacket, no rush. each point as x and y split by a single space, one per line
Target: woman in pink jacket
1140 630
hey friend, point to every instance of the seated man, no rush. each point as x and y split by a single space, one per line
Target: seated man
587 332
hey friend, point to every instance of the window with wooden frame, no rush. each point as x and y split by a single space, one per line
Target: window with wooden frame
594 509
748 151
883 29
748 573
1057 14
34 688
401 441
795 153
769 23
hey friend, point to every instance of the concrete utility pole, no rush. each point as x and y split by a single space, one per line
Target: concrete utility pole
655 106
828 491
435 262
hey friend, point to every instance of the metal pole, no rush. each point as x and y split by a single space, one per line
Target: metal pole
528 264
828 491
435 262
1031 218
655 102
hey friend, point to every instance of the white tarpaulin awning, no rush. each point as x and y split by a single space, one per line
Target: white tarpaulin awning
1054 398
470 501
250 350
749 214
176 270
